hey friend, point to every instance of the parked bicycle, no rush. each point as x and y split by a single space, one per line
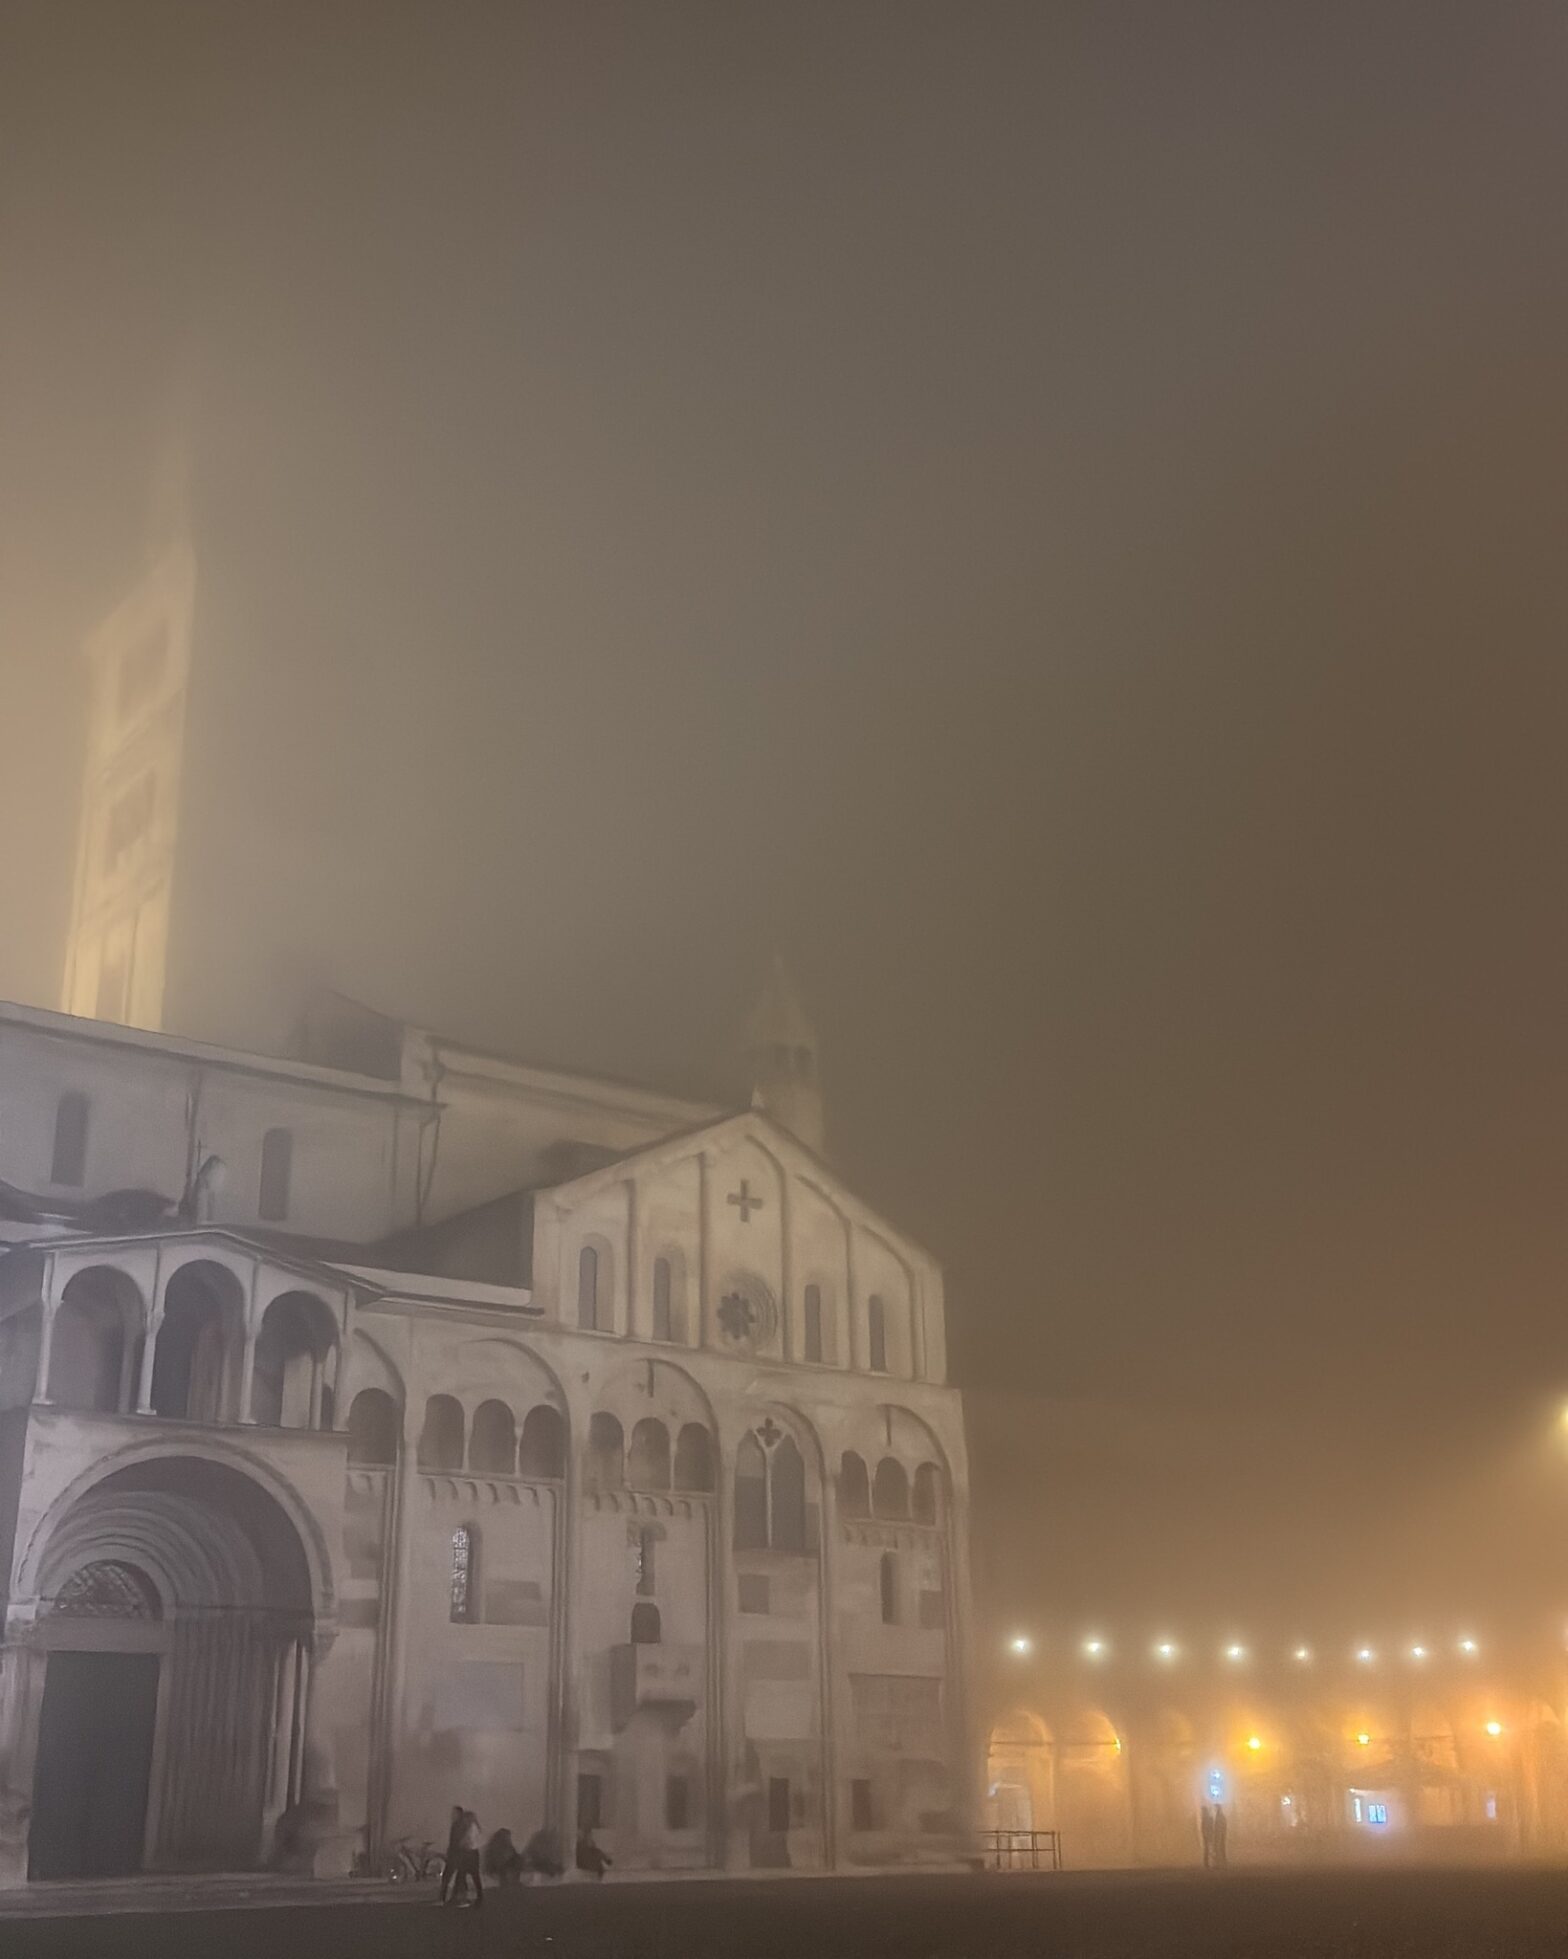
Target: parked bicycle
415 1861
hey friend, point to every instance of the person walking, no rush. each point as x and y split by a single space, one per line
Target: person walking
1221 1829
464 1862
1206 1832
454 1830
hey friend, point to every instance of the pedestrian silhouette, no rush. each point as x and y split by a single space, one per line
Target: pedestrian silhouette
462 1864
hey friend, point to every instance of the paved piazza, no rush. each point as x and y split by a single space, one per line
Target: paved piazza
1335 1915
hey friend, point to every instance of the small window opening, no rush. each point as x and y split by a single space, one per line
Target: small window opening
662 1327
813 1323
464 1599
876 1316
277 1153
69 1162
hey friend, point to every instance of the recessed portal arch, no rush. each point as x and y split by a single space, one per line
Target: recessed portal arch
175 1600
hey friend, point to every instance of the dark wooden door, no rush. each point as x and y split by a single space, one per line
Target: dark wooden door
94 1756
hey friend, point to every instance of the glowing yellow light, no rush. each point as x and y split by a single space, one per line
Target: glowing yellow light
1468 1646
1494 1729
1365 1655
1235 1652
1254 1742
1166 1650
1418 1652
1095 1648
1363 1741
1021 1643
1303 1653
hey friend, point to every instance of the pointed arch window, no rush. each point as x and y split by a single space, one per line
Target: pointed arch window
770 1492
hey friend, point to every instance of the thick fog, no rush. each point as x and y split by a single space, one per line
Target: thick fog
1049 517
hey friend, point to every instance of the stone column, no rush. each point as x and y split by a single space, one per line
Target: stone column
282 1741
150 1345
21 1699
247 1377
317 1842
45 1346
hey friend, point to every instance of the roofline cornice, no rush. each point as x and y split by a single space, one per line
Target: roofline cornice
103 1033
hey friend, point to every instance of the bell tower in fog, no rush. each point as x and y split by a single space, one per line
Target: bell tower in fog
781 1050
116 959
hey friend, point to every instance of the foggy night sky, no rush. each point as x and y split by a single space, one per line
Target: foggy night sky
1053 517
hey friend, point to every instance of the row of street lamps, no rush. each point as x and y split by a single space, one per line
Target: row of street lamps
1167 1651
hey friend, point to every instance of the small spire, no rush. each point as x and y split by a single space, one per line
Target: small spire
781 1049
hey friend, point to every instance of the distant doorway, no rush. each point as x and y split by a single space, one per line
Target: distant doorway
94 1760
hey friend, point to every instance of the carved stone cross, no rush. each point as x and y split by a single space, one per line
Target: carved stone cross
744 1201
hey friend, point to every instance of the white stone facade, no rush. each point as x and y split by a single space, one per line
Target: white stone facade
439 1429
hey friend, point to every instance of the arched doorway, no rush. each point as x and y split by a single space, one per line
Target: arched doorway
1170 1787
173 1626
1093 1799
1020 1774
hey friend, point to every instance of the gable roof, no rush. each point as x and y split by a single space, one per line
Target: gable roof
746 1125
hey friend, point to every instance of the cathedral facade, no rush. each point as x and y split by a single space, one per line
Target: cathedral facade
385 1424
396 1426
